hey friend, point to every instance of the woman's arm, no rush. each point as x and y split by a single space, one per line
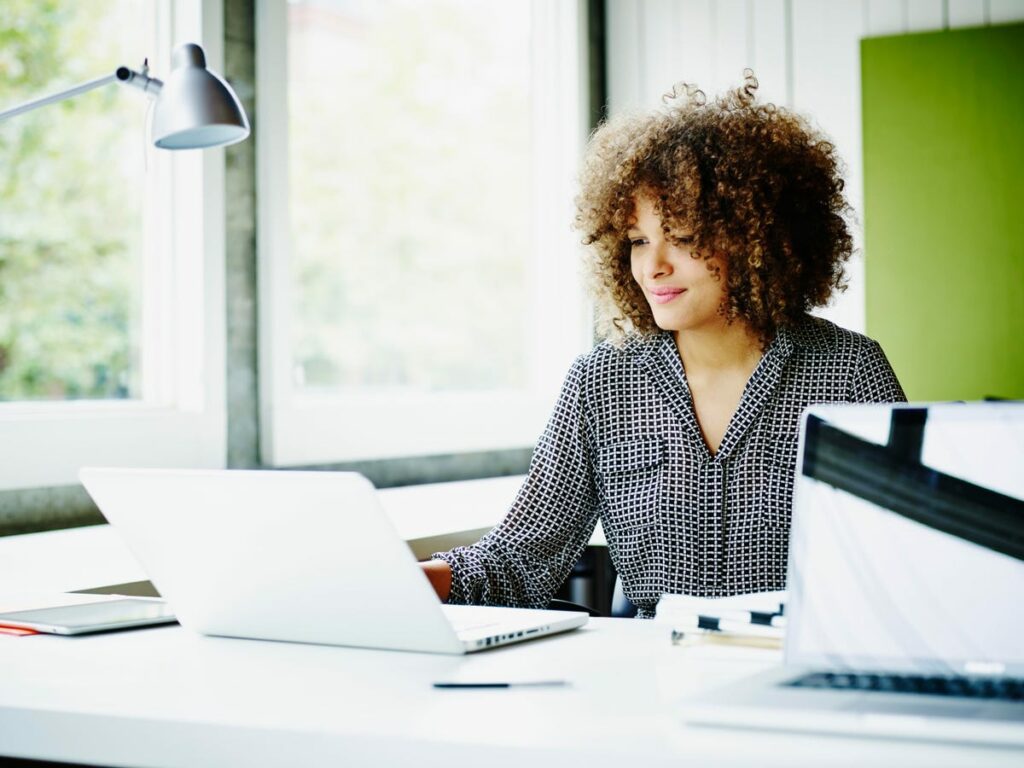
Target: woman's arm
526 557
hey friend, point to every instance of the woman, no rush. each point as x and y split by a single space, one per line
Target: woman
716 227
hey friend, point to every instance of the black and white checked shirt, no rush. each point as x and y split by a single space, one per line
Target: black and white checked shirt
623 446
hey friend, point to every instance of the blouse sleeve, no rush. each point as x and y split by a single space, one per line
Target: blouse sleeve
874 380
526 557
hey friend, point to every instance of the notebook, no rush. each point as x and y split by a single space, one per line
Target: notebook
295 556
905 580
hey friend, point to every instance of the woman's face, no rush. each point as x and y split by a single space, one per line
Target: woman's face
682 292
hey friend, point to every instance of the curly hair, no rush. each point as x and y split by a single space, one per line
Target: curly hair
753 183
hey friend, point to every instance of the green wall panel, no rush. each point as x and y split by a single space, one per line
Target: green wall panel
944 209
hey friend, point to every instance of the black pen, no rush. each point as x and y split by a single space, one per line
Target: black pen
525 684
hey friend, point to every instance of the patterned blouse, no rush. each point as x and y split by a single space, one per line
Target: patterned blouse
623 446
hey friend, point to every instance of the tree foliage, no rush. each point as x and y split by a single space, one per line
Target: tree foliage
70 203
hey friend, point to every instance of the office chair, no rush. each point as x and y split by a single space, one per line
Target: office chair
621 607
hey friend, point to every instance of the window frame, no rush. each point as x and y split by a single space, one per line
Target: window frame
181 419
306 429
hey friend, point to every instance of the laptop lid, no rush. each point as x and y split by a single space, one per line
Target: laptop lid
907 539
299 556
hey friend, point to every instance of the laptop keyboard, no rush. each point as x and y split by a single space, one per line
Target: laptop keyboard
999 688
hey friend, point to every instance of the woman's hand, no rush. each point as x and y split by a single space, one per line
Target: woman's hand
440 575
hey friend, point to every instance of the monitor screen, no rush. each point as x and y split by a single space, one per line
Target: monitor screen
907 547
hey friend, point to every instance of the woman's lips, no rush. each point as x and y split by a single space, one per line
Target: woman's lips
664 295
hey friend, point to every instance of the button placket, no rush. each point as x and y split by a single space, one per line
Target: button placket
712 516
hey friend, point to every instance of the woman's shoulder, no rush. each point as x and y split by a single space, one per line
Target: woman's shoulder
823 338
847 356
608 356
612 367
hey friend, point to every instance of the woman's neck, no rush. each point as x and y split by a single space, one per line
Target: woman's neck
718 348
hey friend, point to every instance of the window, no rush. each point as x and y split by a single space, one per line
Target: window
418 270
111 252
71 258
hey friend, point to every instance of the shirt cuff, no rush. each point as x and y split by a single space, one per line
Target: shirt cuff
468 575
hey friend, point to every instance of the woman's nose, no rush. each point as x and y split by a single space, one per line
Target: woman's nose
659 264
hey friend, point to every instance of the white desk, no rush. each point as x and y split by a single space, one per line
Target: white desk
166 697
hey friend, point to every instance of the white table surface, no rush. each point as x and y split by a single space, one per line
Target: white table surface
167 697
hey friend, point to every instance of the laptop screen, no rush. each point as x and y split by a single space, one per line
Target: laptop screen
907 546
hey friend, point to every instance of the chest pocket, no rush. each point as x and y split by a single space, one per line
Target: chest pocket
777 496
631 480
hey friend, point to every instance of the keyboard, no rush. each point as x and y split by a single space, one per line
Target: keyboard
996 688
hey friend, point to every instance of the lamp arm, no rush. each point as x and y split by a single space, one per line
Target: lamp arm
122 75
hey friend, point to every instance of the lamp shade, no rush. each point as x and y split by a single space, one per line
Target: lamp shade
195 108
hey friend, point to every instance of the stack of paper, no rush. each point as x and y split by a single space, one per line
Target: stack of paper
755 619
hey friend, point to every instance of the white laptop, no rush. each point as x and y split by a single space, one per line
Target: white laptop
906 580
297 556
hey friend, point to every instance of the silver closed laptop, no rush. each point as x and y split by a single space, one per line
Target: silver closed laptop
296 556
906 580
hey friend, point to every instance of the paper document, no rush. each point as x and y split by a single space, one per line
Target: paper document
761 602
755 619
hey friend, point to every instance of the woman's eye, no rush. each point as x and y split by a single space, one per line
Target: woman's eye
684 240
635 242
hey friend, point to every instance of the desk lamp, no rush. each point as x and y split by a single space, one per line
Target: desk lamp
194 109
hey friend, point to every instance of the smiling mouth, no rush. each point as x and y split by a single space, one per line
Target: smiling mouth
665 295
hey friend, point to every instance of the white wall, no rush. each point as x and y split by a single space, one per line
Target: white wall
805 54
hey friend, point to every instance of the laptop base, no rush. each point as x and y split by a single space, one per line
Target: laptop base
767 702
